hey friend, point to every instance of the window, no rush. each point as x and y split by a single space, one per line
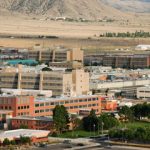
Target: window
47 104
47 110
75 101
61 103
42 104
75 107
37 111
71 107
52 103
89 105
36 105
56 103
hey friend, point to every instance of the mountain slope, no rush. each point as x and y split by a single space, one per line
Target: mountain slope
89 9
139 6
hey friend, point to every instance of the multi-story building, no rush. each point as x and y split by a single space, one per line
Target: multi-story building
55 55
75 82
38 107
143 92
19 105
44 107
120 61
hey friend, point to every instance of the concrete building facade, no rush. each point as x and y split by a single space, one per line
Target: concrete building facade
120 61
143 92
75 82
55 55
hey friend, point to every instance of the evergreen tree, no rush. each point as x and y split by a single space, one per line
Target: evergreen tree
61 118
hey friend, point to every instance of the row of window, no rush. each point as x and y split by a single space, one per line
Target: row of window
6 107
52 78
23 114
52 84
31 78
5 100
144 91
23 107
71 107
66 102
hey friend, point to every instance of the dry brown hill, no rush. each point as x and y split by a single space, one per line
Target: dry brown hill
88 9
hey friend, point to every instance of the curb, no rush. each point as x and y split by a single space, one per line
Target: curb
130 144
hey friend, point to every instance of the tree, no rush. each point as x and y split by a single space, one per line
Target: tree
61 118
25 140
141 110
76 122
137 111
6 141
145 110
13 142
127 112
107 121
90 123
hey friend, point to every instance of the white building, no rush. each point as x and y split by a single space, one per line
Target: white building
142 47
143 92
98 85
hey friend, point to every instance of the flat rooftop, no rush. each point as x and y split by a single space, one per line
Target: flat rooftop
64 98
11 134
33 118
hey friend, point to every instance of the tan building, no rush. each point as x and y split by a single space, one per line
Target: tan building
55 55
80 81
59 82
68 64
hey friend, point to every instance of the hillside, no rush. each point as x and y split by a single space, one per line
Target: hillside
138 6
88 9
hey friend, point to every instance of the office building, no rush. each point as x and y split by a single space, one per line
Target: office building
75 82
22 105
55 55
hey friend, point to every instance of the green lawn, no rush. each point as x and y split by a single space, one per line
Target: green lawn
82 134
135 124
78 134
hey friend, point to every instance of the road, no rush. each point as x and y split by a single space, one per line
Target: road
64 146
117 148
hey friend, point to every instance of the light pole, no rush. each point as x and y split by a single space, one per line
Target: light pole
94 129
102 126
